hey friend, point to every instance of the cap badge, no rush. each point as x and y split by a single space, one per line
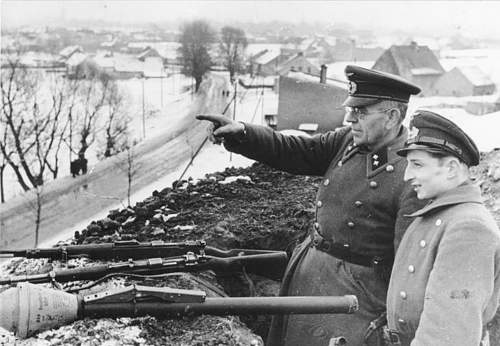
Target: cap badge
413 133
352 87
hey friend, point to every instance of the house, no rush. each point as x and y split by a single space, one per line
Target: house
298 63
148 52
67 52
483 106
79 65
265 63
417 64
464 81
309 103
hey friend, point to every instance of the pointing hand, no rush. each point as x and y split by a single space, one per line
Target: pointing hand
222 126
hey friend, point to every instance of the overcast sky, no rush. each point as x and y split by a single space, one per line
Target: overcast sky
471 18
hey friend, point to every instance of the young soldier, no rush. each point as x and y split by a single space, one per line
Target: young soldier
445 282
359 205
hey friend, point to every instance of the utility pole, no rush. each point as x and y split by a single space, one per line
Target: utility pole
161 88
143 112
234 111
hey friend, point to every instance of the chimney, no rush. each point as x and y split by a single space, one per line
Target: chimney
322 74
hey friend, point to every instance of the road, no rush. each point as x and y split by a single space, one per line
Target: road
67 200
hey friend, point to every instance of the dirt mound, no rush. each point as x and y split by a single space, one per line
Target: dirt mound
255 207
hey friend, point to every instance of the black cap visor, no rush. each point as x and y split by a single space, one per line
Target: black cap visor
353 101
404 151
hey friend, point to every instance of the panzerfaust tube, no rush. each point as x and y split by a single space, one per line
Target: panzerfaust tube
229 306
28 309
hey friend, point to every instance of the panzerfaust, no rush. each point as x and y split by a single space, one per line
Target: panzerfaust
271 265
28 309
128 249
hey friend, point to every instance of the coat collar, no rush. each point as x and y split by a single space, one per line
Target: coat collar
466 193
380 160
384 158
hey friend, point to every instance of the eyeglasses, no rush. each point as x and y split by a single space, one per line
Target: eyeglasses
361 113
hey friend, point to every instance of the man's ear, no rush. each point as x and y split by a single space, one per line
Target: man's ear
454 166
393 117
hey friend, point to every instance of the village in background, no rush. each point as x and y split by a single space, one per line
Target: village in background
299 66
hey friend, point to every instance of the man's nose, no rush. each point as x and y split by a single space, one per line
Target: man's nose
350 118
408 174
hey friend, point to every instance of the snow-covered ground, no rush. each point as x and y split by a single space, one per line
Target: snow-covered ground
251 106
165 100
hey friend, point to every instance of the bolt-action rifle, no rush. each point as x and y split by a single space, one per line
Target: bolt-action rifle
127 249
271 265
24 313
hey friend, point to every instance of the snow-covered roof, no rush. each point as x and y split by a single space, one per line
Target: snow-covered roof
475 75
254 48
109 43
76 59
128 64
315 79
267 57
424 71
104 61
66 52
306 43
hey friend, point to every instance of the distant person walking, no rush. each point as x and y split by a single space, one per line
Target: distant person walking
360 205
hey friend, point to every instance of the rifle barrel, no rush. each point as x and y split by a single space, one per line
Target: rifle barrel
129 249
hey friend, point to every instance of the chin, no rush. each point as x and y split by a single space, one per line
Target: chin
422 195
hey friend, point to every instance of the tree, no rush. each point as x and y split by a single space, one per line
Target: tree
196 40
32 124
92 98
232 45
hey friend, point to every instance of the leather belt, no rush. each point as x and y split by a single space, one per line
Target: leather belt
339 251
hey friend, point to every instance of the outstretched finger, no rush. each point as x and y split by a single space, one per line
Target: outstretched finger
212 118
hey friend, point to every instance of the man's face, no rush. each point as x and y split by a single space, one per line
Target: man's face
368 124
426 174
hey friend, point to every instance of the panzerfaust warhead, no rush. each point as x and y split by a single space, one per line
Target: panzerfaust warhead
271 265
23 314
128 249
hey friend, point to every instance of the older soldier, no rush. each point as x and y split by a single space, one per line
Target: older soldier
359 206
445 282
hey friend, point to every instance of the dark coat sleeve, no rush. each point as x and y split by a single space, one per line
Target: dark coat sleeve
293 154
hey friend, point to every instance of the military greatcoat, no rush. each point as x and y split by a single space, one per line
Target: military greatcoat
445 281
359 206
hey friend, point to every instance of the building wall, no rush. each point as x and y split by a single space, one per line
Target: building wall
300 64
480 108
484 90
386 63
309 102
269 69
425 82
453 83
